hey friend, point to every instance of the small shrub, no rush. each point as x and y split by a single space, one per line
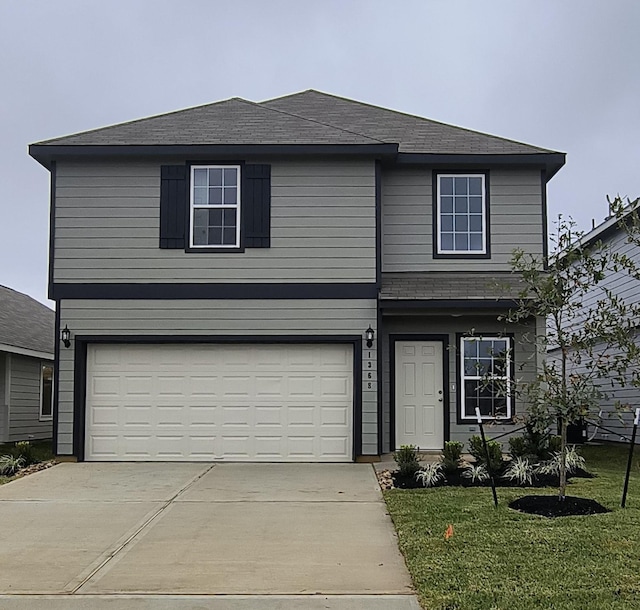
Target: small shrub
10 464
476 474
555 442
520 471
536 442
430 474
451 456
24 450
476 449
407 459
574 462
517 446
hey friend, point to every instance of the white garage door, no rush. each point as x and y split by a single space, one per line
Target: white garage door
290 403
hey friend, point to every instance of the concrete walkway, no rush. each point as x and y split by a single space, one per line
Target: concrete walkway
224 536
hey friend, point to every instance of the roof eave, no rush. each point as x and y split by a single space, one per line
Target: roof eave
46 153
551 162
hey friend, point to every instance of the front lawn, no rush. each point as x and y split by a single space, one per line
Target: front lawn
505 560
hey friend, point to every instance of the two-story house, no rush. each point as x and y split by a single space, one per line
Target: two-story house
303 279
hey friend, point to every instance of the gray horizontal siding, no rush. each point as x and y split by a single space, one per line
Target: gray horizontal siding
621 401
516 220
24 422
438 325
322 227
200 317
4 410
618 404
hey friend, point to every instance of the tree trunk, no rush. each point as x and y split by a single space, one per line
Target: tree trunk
563 460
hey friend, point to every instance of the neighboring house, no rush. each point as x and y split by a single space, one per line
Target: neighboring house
219 268
26 367
617 419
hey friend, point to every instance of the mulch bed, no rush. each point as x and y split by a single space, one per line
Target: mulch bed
552 506
392 480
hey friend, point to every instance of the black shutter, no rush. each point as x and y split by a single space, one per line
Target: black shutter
173 205
256 206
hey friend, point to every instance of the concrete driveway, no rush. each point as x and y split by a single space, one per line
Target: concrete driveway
223 536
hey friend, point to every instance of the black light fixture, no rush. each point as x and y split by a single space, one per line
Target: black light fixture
369 336
66 336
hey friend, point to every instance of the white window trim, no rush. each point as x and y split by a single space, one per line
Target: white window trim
42 367
439 215
236 206
508 368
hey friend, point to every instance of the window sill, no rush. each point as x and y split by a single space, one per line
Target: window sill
214 250
462 255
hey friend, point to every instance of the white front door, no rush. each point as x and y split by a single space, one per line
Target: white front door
419 394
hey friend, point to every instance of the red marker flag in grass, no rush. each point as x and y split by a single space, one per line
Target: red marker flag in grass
449 532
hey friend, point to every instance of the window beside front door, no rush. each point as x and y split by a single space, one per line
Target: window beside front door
215 206
46 392
485 375
461 214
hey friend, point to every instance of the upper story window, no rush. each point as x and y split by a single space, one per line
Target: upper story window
215 206
461 214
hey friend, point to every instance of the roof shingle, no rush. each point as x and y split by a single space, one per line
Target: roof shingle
438 285
25 323
309 117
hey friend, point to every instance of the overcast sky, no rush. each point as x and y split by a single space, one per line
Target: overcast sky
561 74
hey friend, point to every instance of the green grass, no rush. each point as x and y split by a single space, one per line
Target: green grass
41 451
505 560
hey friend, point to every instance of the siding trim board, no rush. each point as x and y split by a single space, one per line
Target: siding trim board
56 380
52 227
46 154
80 370
393 338
288 290
378 187
545 219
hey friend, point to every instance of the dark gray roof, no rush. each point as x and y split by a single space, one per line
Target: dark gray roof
414 134
309 117
233 121
25 323
444 286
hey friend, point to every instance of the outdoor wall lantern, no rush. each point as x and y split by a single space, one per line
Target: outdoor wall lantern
369 336
66 336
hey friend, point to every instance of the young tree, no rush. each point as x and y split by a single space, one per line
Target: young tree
588 328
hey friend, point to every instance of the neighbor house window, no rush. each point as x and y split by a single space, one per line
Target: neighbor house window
215 206
485 372
46 392
461 214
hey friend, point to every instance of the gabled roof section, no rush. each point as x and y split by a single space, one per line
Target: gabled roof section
414 134
25 323
233 121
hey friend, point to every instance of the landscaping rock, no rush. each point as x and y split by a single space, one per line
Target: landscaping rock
385 480
23 472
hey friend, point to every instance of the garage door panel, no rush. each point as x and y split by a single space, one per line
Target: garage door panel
206 402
